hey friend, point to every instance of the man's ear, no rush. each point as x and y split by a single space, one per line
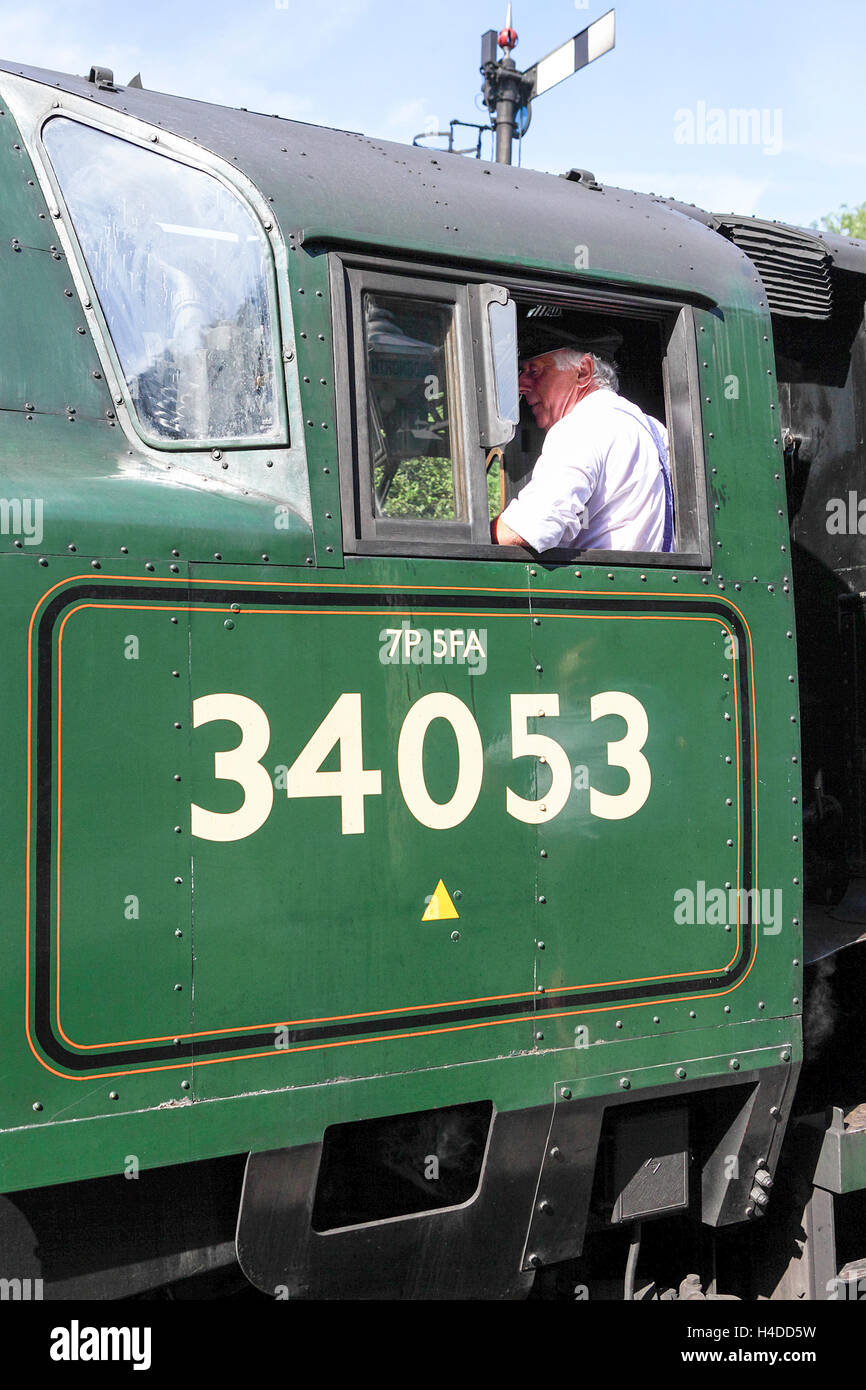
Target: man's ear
586 368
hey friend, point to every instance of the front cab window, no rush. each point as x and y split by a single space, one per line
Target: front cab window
181 269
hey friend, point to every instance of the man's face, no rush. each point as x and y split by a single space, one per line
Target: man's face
549 392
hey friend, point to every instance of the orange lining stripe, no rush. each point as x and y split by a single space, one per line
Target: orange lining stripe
576 594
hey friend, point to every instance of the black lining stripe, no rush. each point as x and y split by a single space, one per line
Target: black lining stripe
397 1024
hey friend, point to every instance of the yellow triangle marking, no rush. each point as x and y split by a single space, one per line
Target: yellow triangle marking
440 905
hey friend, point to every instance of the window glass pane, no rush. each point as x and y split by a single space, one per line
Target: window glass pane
180 267
409 346
503 336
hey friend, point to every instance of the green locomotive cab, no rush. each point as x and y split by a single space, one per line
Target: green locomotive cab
397 894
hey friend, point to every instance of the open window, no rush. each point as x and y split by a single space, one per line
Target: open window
439 443
656 370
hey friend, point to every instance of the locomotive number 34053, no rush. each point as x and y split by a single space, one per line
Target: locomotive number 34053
351 783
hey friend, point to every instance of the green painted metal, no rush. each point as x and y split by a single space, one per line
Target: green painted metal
177 997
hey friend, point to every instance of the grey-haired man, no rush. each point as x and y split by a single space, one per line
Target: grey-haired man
602 480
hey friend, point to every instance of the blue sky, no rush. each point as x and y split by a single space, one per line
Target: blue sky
388 68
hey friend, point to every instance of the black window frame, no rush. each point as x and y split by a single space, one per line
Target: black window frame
352 274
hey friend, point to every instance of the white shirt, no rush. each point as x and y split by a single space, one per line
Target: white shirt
598 483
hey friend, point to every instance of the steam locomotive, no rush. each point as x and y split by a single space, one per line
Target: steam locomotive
389 914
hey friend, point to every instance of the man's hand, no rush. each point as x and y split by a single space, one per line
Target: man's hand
502 534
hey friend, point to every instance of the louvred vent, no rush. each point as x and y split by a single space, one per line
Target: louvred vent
794 266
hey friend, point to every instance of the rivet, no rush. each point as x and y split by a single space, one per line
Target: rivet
681 1072
37 1105
112 1095
539 1037
624 1083
178 880
565 1092
542 898
534 1260
734 1064
539 669
785 1055
184 1085
178 988
455 936
540 945
175 674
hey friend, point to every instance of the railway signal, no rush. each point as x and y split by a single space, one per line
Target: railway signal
507 92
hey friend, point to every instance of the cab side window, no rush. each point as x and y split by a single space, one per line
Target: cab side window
434 442
182 272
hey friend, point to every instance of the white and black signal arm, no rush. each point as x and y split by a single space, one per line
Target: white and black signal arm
507 91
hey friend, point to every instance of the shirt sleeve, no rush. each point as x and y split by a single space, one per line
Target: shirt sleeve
552 504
